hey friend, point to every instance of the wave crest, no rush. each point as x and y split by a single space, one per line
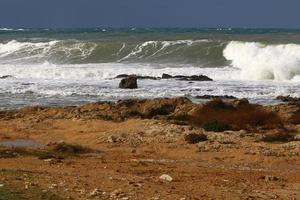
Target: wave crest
259 61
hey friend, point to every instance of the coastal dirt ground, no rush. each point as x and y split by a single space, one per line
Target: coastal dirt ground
129 157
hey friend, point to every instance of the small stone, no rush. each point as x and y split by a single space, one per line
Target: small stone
296 138
112 139
26 186
1 185
116 193
166 177
271 178
95 192
52 186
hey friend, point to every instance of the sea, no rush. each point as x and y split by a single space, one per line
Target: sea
61 67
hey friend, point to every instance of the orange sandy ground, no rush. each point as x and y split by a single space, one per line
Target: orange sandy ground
130 169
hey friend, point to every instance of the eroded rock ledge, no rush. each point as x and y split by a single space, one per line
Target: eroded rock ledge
217 114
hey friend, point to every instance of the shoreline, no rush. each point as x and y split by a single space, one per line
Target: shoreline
164 148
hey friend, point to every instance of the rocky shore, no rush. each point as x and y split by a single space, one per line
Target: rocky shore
165 148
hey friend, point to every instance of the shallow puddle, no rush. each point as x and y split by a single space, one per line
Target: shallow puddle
20 143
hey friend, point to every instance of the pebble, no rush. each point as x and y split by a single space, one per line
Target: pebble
95 192
271 178
166 177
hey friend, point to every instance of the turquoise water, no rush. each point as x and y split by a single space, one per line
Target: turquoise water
74 66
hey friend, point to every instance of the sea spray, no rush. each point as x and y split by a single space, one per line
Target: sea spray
258 61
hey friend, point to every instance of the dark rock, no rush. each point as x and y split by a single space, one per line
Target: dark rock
137 76
288 99
193 78
199 78
147 77
6 76
215 96
180 76
129 83
194 138
166 76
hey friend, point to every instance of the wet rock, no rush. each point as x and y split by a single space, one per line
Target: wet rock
166 178
166 76
288 99
194 138
196 78
137 76
6 76
129 83
215 97
187 78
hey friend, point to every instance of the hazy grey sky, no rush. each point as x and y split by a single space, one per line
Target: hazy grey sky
150 13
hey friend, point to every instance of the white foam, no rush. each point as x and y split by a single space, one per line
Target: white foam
137 52
15 46
11 29
258 61
37 52
89 72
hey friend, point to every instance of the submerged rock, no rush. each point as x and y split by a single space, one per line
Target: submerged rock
129 83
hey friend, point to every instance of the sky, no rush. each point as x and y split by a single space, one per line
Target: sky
149 13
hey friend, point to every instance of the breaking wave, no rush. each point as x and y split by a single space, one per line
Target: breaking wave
260 61
253 60
201 52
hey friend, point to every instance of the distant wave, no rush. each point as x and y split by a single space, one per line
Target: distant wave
259 61
11 29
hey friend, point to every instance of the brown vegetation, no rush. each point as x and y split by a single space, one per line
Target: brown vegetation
218 115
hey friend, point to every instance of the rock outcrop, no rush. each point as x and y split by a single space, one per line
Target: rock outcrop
187 78
167 76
